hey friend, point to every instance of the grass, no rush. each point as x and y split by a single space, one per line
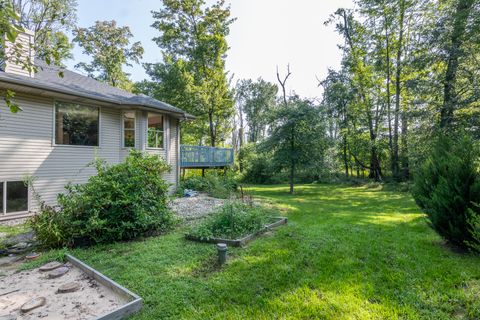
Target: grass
13 230
347 253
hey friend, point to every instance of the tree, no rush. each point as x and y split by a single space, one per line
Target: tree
257 100
337 96
193 42
49 19
51 45
297 139
455 51
110 49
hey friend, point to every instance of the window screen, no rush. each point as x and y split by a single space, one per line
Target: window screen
129 129
17 196
155 130
76 125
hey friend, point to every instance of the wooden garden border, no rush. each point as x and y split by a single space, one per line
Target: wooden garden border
134 304
242 241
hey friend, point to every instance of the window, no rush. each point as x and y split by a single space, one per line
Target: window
13 196
129 129
155 131
76 125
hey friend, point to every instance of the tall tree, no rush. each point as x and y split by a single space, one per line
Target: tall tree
454 52
110 49
257 100
193 42
50 20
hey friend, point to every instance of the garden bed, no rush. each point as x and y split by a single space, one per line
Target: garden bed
64 291
278 221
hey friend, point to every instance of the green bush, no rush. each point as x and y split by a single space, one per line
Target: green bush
233 220
447 187
121 202
214 184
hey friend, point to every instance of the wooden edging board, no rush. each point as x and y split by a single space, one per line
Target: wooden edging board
134 304
242 241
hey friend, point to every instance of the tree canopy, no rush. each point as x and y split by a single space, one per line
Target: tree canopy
110 49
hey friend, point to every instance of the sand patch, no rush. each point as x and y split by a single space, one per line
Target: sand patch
91 300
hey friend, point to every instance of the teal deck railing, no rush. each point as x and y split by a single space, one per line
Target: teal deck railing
205 157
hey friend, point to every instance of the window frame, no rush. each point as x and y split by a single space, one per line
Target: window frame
134 129
163 132
54 125
3 205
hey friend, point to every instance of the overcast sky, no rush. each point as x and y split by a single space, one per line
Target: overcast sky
266 33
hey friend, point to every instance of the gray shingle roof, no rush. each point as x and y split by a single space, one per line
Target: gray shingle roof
72 83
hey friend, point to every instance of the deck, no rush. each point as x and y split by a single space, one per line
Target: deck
205 157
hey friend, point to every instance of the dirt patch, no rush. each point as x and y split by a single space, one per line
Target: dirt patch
91 300
195 207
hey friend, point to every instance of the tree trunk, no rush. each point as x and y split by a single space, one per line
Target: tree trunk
345 159
240 139
393 161
292 159
211 129
398 74
404 147
464 7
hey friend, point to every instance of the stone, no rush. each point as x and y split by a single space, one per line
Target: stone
20 246
69 287
50 266
56 273
7 261
32 256
32 304
8 317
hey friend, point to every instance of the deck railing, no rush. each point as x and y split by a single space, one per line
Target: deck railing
205 157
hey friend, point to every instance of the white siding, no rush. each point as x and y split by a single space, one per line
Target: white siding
27 149
171 140
24 48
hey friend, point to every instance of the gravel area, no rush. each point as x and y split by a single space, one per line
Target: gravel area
195 207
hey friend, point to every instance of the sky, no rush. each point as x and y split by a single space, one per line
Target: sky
266 34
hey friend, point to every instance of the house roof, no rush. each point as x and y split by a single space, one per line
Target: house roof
72 83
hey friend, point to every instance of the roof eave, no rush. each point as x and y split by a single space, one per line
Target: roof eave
23 83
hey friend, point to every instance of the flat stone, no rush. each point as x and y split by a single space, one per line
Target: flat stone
20 246
50 266
69 287
56 273
6 261
8 317
32 256
32 304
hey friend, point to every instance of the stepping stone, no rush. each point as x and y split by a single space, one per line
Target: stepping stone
69 287
56 273
32 304
6 261
32 256
8 317
50 266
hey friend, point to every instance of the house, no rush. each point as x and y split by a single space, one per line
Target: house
68 121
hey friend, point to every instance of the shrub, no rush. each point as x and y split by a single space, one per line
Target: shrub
232 220
121 202
447 186
214 184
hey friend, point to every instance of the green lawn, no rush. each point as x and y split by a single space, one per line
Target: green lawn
347 253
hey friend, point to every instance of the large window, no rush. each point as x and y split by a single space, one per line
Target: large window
155 131
13 197
129 129
76 125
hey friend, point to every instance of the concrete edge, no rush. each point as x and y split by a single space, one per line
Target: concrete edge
122 312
